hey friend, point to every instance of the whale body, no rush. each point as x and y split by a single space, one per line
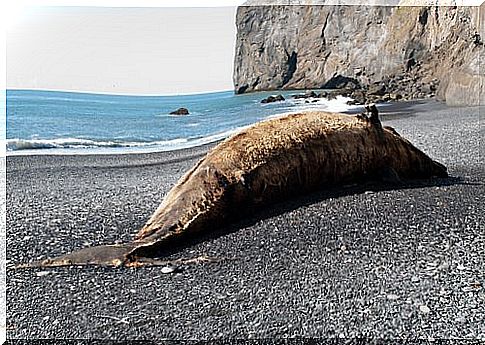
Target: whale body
270 161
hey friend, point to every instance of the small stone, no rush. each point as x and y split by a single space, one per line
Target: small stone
392 297
168 269
444 266
42 273
476 285
461 267
424 309
443 292
414 279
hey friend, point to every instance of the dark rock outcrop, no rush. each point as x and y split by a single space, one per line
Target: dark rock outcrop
408 49
341 82
272 99
180 111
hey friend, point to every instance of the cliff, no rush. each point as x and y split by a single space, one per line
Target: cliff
303 47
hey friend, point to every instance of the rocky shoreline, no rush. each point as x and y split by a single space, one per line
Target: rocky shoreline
407 86
411 85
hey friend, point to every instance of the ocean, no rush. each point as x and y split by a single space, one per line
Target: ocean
54 122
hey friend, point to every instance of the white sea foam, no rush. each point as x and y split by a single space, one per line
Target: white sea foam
75 146
16 146
337 104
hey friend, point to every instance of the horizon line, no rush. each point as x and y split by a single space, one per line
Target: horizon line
120 93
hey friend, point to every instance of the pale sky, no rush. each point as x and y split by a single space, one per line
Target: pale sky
161 50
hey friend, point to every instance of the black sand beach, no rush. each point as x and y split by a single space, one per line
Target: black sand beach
373 261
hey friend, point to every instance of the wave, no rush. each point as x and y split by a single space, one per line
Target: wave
338 104
69 143
87 146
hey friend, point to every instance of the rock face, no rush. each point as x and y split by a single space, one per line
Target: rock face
304 47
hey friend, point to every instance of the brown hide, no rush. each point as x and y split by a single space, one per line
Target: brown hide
269 161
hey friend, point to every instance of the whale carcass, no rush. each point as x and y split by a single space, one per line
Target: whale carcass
270 161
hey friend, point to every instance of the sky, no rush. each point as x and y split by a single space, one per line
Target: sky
111 46
161 50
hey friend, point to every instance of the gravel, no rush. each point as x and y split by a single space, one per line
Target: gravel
362 261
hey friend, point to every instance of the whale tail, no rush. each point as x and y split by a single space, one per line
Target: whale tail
106 255
132 254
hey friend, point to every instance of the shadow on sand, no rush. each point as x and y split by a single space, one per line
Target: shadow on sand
252 217
132 254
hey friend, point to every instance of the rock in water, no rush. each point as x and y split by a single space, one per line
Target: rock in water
270 161
180 111
272 99
309 94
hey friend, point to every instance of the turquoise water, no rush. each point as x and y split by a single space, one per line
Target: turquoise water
40 122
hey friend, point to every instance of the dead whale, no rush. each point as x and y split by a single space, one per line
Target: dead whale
267 162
